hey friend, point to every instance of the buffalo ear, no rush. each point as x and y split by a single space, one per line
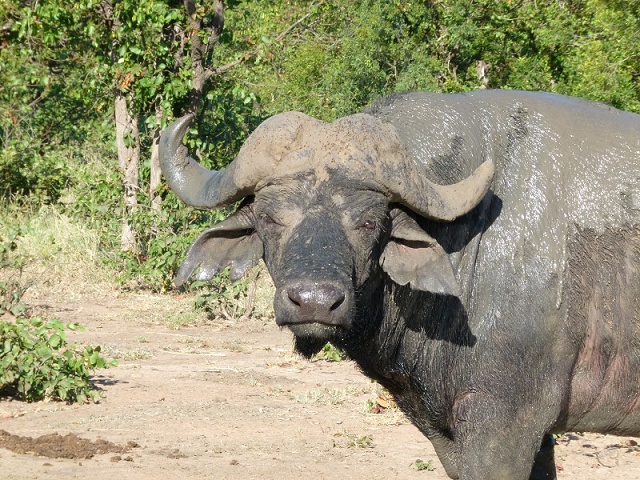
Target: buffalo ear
414 257
231 243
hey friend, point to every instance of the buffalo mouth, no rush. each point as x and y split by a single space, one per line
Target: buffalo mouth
314 330
310 338
311 323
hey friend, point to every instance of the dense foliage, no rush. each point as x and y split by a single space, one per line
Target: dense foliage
354 52
62 62
36 363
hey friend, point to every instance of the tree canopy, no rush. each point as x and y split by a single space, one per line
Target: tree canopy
64 64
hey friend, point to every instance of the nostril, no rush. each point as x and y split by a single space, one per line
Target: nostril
339 301
294 296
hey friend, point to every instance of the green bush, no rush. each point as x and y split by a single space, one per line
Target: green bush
11 286
222 297
330 353
36 363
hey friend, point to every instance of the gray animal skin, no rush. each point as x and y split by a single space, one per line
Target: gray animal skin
477 254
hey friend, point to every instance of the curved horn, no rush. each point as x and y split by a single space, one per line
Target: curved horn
444 202
191 182
262 152
403 178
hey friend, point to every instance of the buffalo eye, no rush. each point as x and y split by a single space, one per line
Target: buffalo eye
267 220
369 225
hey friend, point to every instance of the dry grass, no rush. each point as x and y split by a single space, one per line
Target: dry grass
234 346
62 256
330 396
389 417
112 351
262 294
174 311
63 260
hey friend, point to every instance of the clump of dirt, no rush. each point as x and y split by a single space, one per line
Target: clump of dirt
54 445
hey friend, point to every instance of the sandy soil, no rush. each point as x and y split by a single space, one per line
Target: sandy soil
229 400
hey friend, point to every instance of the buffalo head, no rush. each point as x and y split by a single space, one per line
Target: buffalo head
330 207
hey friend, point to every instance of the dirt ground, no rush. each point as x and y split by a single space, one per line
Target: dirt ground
229 400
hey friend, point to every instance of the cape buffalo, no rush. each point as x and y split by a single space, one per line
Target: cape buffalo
477 254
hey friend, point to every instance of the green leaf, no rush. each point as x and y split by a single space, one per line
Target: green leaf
93 359
36 322
55 341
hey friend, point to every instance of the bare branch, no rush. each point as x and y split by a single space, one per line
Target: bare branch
217 25
199 49
219 70
210 72
6 26
280 37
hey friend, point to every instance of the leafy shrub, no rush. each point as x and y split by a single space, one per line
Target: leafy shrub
330 353
11 287
96 200
163 237
11 291
42 177
224 298
422 465
36 363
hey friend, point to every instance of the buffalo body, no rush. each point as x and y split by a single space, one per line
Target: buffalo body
477 254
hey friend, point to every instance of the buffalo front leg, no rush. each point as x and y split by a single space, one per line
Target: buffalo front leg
544 466
504 449
498 459
446 451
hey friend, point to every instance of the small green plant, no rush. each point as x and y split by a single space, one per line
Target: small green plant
12 288
371 406
11 292
36 363
421 465
233 346
364 441
223 297
345 439
331 353
384 401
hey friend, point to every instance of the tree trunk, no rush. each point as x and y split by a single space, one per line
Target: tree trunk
128 142
201 50
156 174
